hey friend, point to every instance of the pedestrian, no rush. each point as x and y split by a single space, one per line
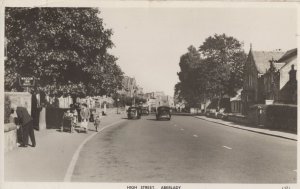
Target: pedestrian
26 125
35 109
97 121
85 116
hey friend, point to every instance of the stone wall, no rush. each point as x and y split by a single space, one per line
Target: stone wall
10 137
21 99
10 130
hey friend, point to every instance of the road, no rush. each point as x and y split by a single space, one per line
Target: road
185 150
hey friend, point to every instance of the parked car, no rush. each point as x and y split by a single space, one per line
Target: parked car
163 112
145 111
134 112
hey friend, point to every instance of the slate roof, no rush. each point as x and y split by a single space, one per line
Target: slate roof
288 54
262 59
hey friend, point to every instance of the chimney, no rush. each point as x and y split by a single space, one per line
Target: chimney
292 73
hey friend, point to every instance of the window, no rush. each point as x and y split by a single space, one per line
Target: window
250 81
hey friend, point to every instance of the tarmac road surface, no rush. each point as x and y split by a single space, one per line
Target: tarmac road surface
185 150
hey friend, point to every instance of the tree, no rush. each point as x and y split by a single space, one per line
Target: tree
60 45
225 59
187 89
216 69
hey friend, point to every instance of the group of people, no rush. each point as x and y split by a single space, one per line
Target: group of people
24 122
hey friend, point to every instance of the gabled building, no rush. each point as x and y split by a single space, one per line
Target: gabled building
256 65
289 59
280 80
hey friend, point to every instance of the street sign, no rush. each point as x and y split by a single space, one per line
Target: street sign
26 81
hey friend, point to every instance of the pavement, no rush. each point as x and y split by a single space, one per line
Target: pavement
53 152
265 131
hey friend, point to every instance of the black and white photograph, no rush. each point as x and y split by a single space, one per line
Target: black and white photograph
150 94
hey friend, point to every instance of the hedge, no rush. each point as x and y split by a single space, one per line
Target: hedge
282 117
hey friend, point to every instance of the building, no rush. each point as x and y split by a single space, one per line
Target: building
280 81
288 93
155 99
256 65
129 86
289 59
139 92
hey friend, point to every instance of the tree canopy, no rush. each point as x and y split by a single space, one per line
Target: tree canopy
214 70
65 49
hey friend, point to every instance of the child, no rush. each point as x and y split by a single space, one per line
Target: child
97 122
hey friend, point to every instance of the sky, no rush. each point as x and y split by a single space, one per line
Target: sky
149 41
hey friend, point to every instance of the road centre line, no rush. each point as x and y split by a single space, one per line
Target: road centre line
195 135
227 147
181 129
75 157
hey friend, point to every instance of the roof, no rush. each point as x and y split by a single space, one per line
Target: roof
262 59
288 54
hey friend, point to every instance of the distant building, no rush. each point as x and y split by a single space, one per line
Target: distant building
155 99
139 92
129 86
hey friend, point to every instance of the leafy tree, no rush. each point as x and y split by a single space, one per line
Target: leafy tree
65 46
216 69
187 88
225 59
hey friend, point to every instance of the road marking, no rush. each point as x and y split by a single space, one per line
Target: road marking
182 129
195 135
227 147
295 170
72 164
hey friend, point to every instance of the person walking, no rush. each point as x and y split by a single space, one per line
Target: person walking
85 116
26 123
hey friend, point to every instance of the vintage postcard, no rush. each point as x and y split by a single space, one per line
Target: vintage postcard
149 94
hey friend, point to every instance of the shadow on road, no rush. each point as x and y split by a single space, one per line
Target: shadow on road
152 119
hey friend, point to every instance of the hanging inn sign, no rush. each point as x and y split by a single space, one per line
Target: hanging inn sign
26 81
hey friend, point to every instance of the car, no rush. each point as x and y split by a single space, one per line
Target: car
145 111
134 112
163 112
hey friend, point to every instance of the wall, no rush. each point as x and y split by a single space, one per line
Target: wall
21 99
10 134
10 137
284 71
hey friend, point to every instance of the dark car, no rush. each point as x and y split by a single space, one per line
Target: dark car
134 113
163 112
145 111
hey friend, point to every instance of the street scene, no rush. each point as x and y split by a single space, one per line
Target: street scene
150 95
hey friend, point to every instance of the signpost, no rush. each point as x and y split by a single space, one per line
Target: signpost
26 82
